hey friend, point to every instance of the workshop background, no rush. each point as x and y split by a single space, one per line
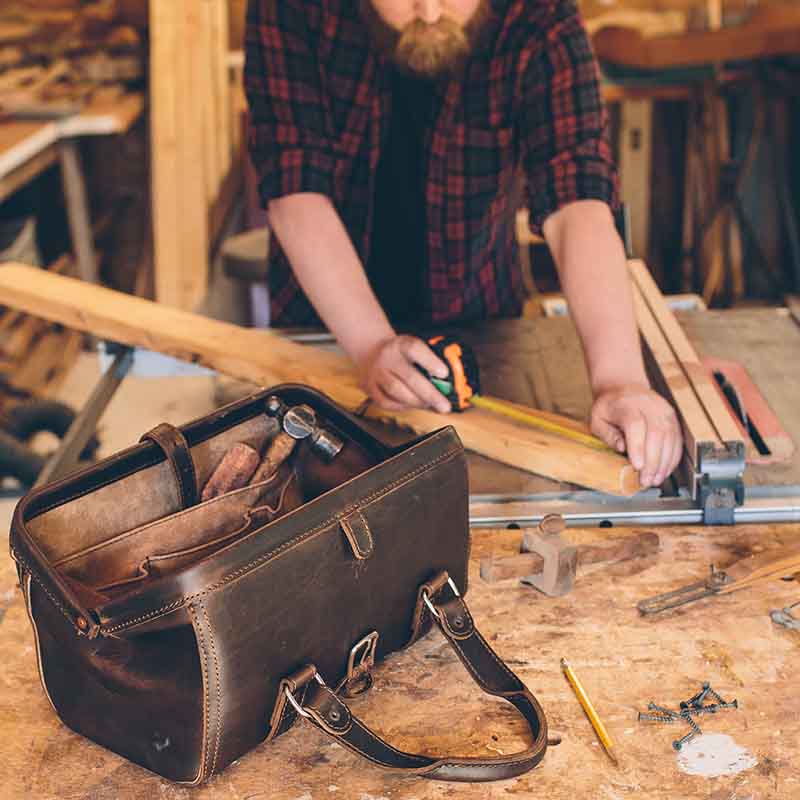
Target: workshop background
113 172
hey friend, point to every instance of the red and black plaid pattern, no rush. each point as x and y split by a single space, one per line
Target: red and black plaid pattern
527 105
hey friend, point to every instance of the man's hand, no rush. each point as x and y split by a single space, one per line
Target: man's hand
394 383
636 419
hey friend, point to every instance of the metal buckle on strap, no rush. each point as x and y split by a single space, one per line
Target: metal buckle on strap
426 597
297 707
364 651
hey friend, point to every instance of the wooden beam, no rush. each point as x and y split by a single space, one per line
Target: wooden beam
179 198
265 358
670 379
769 31
706 390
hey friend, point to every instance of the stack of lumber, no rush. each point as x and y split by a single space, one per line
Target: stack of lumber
56 55
35 355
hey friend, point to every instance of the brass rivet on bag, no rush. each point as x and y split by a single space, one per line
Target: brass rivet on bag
334 715
82 623
458 622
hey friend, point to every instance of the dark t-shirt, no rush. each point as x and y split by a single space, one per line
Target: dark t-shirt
398 261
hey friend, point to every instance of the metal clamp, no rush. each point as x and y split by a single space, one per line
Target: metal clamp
297 707
427 599
719 484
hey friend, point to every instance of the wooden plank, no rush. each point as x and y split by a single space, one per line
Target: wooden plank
180 208
223 89
707 392
206 90
26 172
635 164
669 377
265 358
769 31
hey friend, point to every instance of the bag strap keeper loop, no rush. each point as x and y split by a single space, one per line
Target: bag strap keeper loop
176 450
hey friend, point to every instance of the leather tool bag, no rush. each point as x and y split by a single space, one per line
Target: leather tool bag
181 634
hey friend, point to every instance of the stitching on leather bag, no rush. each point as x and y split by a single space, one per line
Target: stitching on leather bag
198 626
219 687
388 489
44 588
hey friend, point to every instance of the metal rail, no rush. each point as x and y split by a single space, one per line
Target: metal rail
764 504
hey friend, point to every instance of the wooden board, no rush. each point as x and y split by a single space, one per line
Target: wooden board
265 358
190 141
22 141
769 31
670 379
702 384
179 197
424 701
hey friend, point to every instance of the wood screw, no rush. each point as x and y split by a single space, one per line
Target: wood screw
678 743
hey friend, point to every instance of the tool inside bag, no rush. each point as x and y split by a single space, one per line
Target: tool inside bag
140 537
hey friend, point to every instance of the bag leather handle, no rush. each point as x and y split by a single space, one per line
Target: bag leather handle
317 703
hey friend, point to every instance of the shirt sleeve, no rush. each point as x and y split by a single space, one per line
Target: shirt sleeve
287 134
565 132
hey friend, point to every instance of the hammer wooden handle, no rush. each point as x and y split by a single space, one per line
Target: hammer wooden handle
233 472
279 450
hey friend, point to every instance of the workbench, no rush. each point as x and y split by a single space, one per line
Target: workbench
424 701
28 147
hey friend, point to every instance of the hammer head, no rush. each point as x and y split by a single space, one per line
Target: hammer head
560 562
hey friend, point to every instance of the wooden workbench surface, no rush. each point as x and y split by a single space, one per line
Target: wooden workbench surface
423 699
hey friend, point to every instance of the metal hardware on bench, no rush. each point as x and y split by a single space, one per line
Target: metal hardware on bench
764 504
686 594
719 483
785 617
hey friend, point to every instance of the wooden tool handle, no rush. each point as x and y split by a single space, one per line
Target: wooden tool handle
234 471
278 451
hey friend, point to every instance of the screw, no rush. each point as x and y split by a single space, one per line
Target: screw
662 710
715 696
656 718
701 710
698 698
732 704
694 726
678 743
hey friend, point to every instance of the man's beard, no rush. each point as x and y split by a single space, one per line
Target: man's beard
426 50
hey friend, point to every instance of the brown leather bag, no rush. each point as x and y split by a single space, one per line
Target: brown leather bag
181 634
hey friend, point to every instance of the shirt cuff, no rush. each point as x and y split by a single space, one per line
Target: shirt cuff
295 170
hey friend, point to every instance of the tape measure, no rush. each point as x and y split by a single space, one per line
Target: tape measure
462 388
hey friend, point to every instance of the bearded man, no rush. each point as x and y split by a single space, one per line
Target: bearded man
389 136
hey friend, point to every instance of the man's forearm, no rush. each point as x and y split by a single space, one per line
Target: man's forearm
329 270
591 264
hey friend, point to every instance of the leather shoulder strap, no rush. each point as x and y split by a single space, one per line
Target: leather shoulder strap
317 703
176 449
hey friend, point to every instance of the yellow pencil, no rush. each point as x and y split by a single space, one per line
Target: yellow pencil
598 726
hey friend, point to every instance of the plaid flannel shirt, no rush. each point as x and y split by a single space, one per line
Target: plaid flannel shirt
528 102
